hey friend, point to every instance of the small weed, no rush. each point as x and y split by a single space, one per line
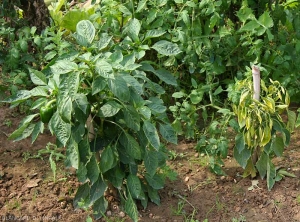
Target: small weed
242 218
179 211
173 155
7 122
298 199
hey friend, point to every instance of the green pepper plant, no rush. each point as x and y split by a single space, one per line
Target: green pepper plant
97 100
263 132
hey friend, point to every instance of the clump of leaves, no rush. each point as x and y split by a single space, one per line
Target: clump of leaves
263 132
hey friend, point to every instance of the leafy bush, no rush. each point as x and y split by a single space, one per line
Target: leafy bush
104 101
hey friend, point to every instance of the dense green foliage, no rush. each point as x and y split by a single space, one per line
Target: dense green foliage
106 76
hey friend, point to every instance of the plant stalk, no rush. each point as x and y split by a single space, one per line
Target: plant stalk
256 82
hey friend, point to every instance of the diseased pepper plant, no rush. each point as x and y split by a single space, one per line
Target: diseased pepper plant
99 103
263 132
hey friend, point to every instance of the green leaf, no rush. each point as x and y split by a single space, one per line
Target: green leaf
82 103
250 26
266 20
87 30
178 95
109 109
271 175
151 162
151 134
81 173
156 105
93 170
153 195
132 29
63 66
291 120
134 186
108 159
145 112
262 164
240 142
242 156
22 132
97 190
134 83
20 96
244 14
141 5
104 69
166 48
37 77
72 154
196 96
154 33
39 91
131 146
100 207
38 128
131 208
72 17
168 133
115 176
61 129
23 128
65 109
98 85
119 88
277 145
104 41
132 118
50 55
166 76
82 195
156 182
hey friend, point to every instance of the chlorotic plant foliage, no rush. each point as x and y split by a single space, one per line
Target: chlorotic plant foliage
103 108
263 132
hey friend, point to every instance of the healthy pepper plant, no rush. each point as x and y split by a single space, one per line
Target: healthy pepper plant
263 132
99 103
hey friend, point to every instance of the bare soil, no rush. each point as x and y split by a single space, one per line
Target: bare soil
28 192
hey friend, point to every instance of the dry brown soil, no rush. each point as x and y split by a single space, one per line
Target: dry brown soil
28 193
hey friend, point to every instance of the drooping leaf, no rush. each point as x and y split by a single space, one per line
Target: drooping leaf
82 196
131 145
261 164
168 133
151 134
151 162
134 186
104 41
72 154
61 129
97 190
271 175
131 208
100 207
154 33
156 181
115 176
132 118
108 159
38 128
241 156
277 145
93 170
